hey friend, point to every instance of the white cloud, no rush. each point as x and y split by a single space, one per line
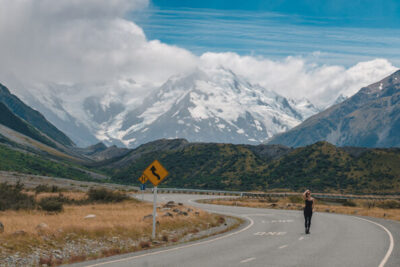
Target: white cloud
296 77
80 42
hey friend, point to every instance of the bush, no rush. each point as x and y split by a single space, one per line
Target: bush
388 204
349 203
296 199
45 188
51 204
12 197
105 196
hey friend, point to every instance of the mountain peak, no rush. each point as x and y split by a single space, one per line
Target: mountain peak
211 105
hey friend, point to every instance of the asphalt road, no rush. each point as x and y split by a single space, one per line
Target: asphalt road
276 238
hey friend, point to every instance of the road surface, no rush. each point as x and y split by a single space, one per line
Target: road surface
276 238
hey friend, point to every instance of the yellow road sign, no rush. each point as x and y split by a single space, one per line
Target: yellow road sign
155 173
143 179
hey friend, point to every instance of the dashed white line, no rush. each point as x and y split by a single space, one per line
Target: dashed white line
284 246
247 260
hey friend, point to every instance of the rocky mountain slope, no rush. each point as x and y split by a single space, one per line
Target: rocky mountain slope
213 105
207 105
370 118
32 116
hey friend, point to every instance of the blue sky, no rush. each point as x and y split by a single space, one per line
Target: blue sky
327 32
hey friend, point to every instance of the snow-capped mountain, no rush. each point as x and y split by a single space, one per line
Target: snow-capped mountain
207 105
212 105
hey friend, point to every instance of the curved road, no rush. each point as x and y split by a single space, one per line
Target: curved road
276 238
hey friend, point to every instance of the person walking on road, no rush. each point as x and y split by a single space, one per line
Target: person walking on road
308 209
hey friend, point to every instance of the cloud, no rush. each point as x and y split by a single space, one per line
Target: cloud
80 41
91 45
297 77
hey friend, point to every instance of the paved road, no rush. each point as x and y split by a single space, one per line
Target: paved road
276 238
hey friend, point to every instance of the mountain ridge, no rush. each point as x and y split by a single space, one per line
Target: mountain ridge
370 118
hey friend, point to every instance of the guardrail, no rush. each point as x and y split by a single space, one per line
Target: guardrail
265 195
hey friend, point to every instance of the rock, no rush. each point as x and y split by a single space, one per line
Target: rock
90 216
327 210
150 216
170 204
197 213
42 227
19 233
168 214
288 205
1 227
184 213
189 210
176 210
274 205
180 204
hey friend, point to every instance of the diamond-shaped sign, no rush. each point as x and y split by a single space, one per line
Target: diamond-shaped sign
143 179
155 172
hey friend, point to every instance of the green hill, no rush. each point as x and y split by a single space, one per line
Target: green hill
14 160
321 167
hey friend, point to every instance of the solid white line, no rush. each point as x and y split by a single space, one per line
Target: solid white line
301 238
284 246
391 246
182 247
247 260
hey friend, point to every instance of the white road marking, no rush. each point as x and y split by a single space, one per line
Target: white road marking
284 246
247 260
391 246
182 247
301 238
278 221
269 233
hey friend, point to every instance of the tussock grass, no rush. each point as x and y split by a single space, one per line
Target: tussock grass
379 209
123 221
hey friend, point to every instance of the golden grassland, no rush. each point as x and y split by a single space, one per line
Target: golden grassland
363 207
124 221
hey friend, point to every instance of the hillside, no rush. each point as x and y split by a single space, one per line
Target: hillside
32 116
320 167
22 162
370 118
7 118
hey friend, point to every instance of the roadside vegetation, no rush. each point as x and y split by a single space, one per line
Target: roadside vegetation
387 209
320 167
48 227
13 160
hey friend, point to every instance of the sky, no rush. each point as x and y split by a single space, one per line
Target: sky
330 32
125 48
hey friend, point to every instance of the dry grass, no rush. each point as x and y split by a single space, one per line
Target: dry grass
70 195
109 218
123 221
361 207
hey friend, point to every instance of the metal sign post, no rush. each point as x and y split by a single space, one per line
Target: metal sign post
155 172
154 213
142 188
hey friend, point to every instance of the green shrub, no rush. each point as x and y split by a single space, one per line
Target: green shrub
51 204
388 204
12 197
45 188
296 199
105 195
349 203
